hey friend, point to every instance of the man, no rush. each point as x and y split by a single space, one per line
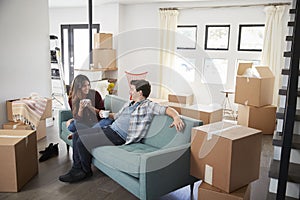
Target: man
131 125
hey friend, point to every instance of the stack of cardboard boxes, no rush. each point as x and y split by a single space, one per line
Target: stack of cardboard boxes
255 96
104 56
19 125
226 157
183 104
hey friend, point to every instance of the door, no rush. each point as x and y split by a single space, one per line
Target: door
75 47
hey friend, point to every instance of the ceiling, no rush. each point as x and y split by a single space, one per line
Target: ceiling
81 3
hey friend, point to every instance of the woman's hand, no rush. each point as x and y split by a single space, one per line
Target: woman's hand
69 122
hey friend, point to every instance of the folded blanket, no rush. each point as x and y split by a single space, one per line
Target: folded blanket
29 110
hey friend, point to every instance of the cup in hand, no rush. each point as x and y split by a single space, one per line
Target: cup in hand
85 102
105 113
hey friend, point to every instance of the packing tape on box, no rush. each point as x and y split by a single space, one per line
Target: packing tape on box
208 174
15 136
210 134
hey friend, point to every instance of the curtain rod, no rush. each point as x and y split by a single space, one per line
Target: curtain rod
228 6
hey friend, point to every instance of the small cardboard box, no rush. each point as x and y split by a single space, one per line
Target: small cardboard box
262 118
16 125
225 155
254 91
181 98
103 41
18 159
104 58
207 113
177 106
46 114
40 130
208 192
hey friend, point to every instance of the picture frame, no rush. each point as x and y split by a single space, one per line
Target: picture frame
186 37
217 37
251 37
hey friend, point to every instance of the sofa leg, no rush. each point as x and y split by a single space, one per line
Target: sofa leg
68 148
192 189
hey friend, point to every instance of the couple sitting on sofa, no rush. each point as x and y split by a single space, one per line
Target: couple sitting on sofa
127 126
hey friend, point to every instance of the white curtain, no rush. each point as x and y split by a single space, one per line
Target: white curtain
168 25
272 52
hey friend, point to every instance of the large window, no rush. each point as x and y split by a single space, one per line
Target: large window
75 47
217 37
251 37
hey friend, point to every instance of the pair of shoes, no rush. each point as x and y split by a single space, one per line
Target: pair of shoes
49 152
46 149
75 175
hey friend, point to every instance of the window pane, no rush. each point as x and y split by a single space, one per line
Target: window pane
215 71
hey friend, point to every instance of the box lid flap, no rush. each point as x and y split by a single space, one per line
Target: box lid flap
242 67
264 71
227 130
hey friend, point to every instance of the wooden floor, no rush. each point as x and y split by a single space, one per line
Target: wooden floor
46 185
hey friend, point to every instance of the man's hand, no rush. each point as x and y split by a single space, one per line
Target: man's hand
178 123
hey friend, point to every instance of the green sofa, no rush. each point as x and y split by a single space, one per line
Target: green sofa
159 164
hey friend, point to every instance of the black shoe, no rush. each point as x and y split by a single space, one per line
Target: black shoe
49 146
75 175
50 152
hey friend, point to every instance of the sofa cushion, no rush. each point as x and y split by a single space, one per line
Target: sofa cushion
125 158
161 136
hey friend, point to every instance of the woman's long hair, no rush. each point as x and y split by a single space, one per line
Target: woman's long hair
75 91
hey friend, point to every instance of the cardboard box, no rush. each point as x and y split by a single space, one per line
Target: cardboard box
103 41
18 159
16 125
104 58
207 113
208 192
177 106
181 98
262 118
254 91
40 130
225 155
46 114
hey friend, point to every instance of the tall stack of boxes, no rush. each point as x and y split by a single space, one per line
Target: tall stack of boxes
226 157
104 56
254 96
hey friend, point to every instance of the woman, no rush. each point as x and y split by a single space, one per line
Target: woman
85 104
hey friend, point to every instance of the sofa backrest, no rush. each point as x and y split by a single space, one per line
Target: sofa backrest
114 103
160 135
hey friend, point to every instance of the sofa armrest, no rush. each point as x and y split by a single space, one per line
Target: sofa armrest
63 115
165 170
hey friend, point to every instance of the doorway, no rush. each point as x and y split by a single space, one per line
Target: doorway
75 47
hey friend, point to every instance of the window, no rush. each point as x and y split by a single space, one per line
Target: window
217 37
75 47
251 37
186 67
215 71
186 37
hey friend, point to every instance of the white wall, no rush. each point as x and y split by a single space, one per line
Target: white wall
107 16
137 18
24 50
